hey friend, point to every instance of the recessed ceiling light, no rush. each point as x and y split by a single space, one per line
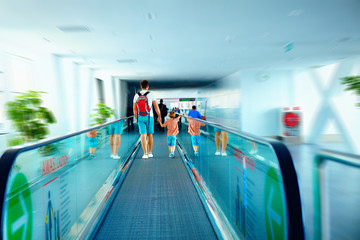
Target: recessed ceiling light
265 35
295 13
143 73
150 16
295 59
46 40
229 38
317 66
126 60
74 28
344 39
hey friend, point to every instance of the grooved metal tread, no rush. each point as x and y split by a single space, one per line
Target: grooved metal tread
157 201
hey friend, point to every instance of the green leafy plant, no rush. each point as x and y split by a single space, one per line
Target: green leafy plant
28 117
102 113
352 84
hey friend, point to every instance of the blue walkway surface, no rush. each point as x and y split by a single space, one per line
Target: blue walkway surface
157 201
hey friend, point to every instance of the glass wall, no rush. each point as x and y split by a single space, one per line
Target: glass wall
244 178
336 195
56 188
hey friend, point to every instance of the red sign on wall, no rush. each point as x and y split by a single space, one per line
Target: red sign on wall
291 119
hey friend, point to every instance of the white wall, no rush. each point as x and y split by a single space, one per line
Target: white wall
176 93
248 101
69 87
329 112
223 101
123 98
262 100
328 109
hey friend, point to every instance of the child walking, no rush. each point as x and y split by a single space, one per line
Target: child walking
194 131
173 130
92 143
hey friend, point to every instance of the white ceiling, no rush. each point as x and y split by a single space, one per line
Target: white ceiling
186 39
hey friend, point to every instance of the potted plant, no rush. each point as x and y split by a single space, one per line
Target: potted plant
100 116
352 84
28 117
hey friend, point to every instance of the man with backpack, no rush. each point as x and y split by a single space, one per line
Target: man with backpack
142 108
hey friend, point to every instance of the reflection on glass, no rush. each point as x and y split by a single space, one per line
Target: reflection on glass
194 131
63 184
115 132
221 139
93 142
243 177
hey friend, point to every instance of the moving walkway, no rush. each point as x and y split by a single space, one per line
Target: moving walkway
55 190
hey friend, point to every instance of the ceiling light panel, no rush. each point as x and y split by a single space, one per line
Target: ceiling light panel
126 60
150 16
74 28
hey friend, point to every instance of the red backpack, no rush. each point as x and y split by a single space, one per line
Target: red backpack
142 103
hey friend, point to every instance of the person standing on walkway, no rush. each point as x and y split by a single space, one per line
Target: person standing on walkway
173 130
164 112
143 102
194 113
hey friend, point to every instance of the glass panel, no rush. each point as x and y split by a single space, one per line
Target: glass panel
243 177
54 191
340 200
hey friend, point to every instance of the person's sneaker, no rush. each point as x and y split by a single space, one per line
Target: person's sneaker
112 155
116 156
217 153
145 156
173 154
196 154
170 155
90 155
94 155
224 154
150 155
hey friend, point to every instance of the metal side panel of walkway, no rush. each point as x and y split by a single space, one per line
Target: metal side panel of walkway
157 200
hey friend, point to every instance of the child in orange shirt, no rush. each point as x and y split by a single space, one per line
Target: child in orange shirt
194 131
173 130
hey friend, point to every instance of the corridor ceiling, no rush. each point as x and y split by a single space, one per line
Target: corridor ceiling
184 39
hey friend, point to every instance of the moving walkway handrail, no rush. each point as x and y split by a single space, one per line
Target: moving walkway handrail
340 157
234 131
321 157
9 156
287 169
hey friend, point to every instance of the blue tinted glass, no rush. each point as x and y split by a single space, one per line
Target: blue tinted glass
59 187
243 177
